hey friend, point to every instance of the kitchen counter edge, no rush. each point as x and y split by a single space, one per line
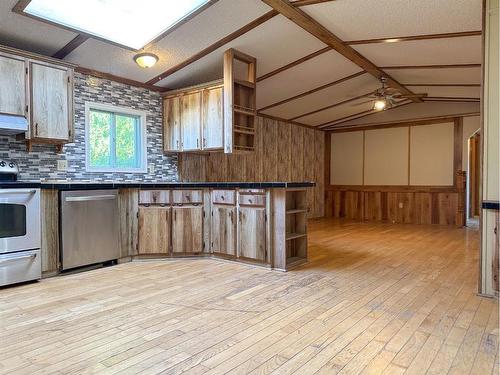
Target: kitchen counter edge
151 185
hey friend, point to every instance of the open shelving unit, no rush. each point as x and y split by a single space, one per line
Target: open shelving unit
296 226
239 101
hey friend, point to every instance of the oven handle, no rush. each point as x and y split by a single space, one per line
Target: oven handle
14 258
18 191
90 198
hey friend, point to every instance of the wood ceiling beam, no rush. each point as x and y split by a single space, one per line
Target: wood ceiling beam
285 120
332 106
303 20
308 92
359 115
450 99
71 46
112 77
461 34
367 41
236 34
443 84
432 66
398 123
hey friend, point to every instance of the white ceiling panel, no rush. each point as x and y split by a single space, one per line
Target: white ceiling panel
455 91
334 94
327 67
26 33
466 50
269 43
367 19
448 75
213 24
416 111
338 112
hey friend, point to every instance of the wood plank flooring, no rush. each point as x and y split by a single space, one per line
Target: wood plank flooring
375 299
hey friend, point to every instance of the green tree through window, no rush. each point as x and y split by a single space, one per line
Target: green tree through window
114 140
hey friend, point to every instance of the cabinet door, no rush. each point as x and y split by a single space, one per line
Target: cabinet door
223 230
252 233
51 102
187 229
213 124
13 86
154 230
191 121
172 124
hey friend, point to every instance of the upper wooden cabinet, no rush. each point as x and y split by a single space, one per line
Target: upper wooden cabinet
212 118
40 89
172 124
13 98
216 116
191 121
51 102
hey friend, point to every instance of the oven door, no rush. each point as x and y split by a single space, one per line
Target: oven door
19 219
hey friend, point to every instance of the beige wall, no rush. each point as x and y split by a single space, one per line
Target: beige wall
490 135
420 155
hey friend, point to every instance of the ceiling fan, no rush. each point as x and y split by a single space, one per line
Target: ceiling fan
387 97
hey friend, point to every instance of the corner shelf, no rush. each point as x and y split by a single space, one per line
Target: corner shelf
239 101
296 226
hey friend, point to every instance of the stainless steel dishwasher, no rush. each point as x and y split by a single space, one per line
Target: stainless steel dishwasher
89 227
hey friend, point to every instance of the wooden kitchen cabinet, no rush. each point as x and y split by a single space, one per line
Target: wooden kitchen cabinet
154 230
223 230
252 233
51 102
172 124
191 121
187 229
212 118
13 99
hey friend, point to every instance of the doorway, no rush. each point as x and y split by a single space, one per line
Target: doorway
473 178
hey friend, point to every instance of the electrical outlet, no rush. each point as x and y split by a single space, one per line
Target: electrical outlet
62 165
400 204
151 168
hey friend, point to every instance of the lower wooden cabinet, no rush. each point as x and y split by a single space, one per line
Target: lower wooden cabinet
154 230
252 233
187 229
223 230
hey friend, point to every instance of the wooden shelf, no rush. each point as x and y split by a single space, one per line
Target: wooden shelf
248 84
296 211
292 236
244 110
294 260
244 148
244 130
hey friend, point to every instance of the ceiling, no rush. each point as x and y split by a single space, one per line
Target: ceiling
434 48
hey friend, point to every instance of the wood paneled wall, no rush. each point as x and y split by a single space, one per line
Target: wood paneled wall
428 205
283 152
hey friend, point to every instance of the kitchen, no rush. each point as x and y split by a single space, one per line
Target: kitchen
241 201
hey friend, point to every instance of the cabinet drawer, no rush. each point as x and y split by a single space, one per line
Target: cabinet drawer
252 199
154 197
224 197
187 196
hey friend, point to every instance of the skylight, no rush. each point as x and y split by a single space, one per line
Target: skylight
131 23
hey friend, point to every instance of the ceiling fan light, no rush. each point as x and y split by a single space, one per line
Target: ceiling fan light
146 59
379 105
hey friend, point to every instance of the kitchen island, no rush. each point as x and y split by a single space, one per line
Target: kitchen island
261 223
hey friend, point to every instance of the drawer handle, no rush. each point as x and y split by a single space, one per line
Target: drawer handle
14 258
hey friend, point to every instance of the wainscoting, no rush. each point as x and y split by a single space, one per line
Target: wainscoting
408 205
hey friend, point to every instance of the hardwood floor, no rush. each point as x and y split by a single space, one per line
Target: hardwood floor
375 298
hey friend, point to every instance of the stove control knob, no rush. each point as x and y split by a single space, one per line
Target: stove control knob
11 165
2 164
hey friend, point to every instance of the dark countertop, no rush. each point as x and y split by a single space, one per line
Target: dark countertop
84 185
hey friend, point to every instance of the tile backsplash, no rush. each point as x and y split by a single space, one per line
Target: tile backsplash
41 162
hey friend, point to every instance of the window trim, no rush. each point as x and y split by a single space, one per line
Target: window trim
143 168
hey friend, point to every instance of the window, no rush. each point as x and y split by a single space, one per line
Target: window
130 23
115 139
